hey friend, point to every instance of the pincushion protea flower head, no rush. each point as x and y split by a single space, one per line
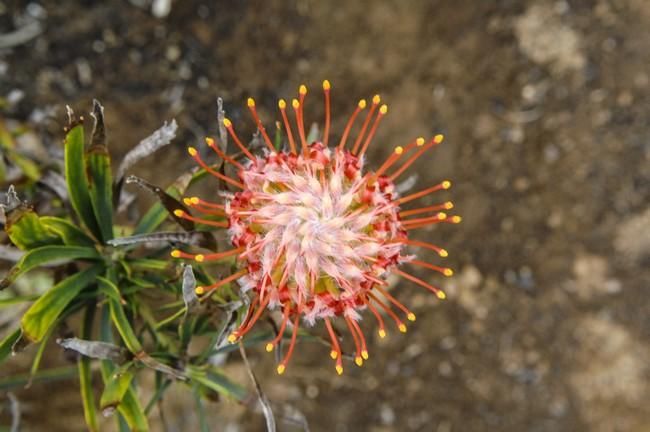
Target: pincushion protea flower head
316 235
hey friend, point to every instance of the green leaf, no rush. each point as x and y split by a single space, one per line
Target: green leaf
98 163
42 314
123 326
26 230
133 413
101 190
75 176
85 374
67 231
116 387
7 343
47 254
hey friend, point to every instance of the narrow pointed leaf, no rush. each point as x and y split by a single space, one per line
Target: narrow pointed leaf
100 179
48 255
124 327
132 411
85 374
69 233
75 176
42 314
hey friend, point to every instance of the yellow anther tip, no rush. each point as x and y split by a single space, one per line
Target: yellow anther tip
446 184
442 215
175 253
339 369
382 333
192 151
282 104
303 89
376 99
438 138
209 141
448 272
195 200
362 103
232 338
402 328
359 361
441 295
281 369
449 205
295 103
399 150
227 123
365 355
199 290
179 213
419 142
199 258
383 109
411 316
187 201
456 219
443 253
269 347
326 85
251 102
334 354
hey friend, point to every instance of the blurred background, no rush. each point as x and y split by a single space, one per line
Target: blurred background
545 107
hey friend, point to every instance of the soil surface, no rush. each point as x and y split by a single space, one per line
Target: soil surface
545 108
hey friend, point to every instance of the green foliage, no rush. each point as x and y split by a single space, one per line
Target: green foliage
136 316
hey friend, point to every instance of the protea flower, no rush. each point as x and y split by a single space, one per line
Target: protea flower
316 235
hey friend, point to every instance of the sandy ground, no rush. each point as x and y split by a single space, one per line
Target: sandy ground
545 106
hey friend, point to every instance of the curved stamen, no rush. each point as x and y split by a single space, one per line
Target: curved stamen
380 320
195 155
444 270
228 124
259 124
382 112
400 325
358 359
362 339
375 102
184 215
440 294
397 153
326 132
336 351
360 106
445 206
287 126
283 325
409 315
283 364
207 290
301 127
440 251
213 145
436 140
442 185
